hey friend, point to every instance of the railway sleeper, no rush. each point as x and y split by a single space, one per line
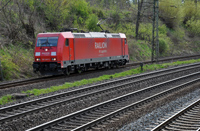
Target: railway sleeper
188 117
194 111
182 127
186 124
89 117
83 118
76 121
96 129
93 115
60 129
65 125
190 114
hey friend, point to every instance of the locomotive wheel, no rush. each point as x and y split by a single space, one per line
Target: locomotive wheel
67 72
116 66
109 66
98 67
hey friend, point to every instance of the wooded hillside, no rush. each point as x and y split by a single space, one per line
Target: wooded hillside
22 20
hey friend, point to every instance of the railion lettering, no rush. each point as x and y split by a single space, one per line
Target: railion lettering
100 45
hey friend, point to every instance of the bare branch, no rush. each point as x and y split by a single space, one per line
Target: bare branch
5 5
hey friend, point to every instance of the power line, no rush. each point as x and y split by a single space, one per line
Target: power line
155 43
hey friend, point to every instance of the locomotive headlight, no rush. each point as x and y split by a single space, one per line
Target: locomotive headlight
46 49
53 53
53 59
38 59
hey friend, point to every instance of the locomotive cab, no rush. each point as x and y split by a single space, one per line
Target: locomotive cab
49 49
46 54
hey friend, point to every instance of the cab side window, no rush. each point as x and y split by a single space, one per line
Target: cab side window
125 41
67 42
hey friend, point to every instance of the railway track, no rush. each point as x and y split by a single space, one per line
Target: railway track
8 113
186 119
26 82
97 116
124 86
42 79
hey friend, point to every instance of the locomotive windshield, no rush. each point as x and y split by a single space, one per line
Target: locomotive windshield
47 41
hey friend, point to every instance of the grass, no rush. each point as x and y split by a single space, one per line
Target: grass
36 92
5 99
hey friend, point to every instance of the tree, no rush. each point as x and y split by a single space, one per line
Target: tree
138 17
18 21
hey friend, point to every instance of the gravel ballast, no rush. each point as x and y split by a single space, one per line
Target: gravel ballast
150 120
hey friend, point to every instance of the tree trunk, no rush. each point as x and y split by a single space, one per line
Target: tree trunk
138 17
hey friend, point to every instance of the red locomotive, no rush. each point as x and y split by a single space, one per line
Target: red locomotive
66 52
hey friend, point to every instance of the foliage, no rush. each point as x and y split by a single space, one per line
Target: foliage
5 99
162 29
92 23
10 69
16 60
98 12
56 11
191 10
171 13
116 17
144 49
145 31
81 9
194 26
163 46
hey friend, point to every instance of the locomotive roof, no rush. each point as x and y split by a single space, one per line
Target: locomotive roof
96 35
88 35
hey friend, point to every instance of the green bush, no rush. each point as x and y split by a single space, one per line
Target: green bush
194 26
9 68
191 10
162 29
56 11
145 31
179 33
92 23
81 9
16 62
171 12
116 17
163 46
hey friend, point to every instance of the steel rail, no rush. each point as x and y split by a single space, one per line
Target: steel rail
116 112
34 80
175 116
81 96
25 82
165 59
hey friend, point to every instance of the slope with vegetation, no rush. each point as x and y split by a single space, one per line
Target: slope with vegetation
22 20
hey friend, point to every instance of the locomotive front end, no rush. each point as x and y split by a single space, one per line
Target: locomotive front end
45 55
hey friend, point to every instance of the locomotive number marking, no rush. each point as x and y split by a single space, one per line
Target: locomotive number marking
45 53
